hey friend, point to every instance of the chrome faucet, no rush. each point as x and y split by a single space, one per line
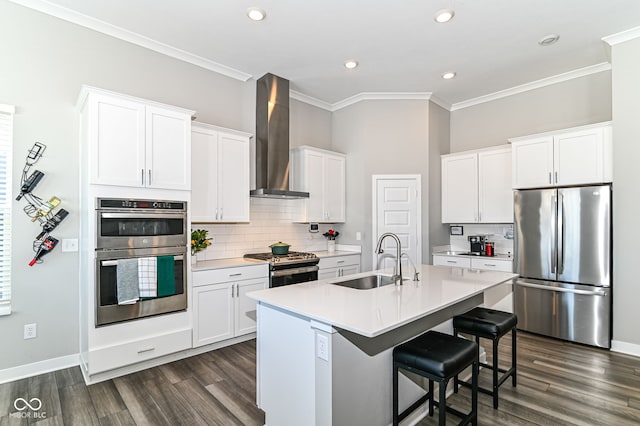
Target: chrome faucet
397 277
416 274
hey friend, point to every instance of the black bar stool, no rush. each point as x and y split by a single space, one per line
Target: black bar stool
489 324
438 357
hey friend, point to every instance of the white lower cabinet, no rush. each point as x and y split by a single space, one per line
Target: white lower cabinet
499 297
462 262
339 266
222 309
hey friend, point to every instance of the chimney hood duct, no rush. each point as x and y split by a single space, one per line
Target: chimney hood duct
272 139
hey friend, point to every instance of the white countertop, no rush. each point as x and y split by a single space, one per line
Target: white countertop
376 311
500 256
233 262
336 253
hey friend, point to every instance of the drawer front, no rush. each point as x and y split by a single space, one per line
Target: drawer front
462 262
339 261
137 351
492 264
216 276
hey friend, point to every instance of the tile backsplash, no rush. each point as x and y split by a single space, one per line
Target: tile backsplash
271 221
498 233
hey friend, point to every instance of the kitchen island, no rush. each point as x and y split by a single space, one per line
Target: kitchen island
325 351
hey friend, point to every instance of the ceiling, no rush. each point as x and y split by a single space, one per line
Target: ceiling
490 44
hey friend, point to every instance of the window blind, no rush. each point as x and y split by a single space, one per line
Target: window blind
6 198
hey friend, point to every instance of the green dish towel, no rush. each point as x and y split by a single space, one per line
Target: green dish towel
166 281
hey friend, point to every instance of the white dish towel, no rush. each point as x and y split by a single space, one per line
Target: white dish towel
148 276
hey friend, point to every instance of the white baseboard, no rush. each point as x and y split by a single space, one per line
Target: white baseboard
625 348
54 364
40 367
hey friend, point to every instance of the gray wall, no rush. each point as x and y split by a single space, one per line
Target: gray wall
568 104
626 152
380 137
44 62
439 136
309 125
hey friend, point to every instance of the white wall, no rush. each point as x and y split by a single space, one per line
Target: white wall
626 202
309 125
381 137
271 222
568 104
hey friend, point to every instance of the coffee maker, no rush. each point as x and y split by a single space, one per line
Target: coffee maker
477 244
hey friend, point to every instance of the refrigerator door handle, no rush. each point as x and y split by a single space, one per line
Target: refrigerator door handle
561 232
554 236
562 289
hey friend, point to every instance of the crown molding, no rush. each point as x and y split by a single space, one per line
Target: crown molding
622 36
580 72
131 37
367 96
310 100
440 102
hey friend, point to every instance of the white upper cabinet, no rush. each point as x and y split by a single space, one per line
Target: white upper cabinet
476 186
575 156
220 174
322 174
134 142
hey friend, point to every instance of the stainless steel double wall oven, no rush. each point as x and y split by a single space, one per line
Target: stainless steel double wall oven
130 229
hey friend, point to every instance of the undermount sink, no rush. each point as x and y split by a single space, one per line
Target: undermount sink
368 282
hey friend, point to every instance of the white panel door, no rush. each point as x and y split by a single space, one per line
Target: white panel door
204 174
495 196
245 307
334 188
460 188
314 170
168 156
397 211
213 316
117 141
532 163
579 157
233 178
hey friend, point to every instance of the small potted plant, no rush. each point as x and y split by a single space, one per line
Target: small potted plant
199 241
331 236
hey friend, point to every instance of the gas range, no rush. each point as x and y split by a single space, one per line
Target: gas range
293 258
286 269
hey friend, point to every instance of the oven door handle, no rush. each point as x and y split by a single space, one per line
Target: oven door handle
146 215
115 262
294 271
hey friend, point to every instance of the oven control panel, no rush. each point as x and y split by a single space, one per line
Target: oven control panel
132 204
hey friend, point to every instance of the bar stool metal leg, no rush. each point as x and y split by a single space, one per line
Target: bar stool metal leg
513 357
442 403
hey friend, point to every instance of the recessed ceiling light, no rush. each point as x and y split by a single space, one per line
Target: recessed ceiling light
448 75
548 40
444 15
350 64
256 14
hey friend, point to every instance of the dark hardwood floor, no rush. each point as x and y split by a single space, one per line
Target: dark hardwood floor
559 383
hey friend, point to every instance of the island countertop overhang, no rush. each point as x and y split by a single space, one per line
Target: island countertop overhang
373 312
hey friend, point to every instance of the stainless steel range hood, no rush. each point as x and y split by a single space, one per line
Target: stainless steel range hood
272 139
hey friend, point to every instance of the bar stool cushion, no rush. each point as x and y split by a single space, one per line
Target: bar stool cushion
485 322
441 355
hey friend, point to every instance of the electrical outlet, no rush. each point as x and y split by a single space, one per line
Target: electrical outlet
30 331
322 347
358 236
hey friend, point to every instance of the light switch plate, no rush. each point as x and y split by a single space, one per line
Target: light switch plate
69 244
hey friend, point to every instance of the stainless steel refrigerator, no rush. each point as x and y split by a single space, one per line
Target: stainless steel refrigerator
563 256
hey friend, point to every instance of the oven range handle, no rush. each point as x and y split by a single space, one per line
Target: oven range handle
293 271
145 215
115 262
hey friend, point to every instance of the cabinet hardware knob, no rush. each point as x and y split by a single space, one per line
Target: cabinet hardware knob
235 275
141 351
142 176
149 176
